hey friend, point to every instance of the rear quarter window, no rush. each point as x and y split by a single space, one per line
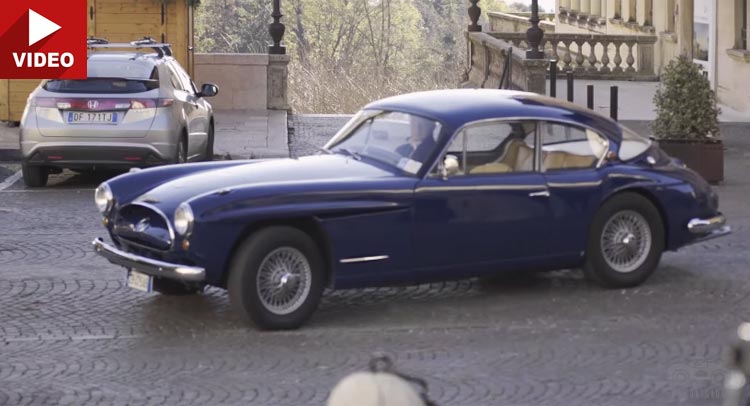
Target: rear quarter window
632 144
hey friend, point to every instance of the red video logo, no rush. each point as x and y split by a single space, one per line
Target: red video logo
43 40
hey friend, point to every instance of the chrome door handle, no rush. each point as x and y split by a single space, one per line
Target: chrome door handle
543 193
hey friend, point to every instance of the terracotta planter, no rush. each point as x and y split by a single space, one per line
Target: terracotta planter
704 157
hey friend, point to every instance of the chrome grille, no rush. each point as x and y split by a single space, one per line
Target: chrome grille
145 225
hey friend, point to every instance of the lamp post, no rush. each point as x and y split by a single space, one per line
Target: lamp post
276 29
534 34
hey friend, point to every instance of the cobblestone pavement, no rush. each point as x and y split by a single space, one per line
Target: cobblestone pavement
72 333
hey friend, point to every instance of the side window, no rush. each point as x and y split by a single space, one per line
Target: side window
183 77
566 146
493 148
174 77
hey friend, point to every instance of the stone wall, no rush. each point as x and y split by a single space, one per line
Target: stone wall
246 81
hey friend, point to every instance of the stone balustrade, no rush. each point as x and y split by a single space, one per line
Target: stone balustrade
594 14
518 22
488 58
606 57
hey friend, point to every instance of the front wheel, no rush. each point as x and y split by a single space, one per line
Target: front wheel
181 151
625 243
276 278
208 154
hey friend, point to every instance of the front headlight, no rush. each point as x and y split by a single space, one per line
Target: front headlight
183 219
103 198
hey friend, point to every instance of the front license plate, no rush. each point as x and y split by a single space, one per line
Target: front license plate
140 281
76 117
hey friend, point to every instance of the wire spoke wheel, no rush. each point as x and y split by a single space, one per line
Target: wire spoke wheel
626 241
284 280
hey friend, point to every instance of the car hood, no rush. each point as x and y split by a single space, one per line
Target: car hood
270 172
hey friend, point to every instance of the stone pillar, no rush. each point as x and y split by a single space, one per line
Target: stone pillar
565 4
685 27
278 74
535 76
575 5
585 6
646 59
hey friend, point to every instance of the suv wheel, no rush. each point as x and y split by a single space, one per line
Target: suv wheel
35 176
209 153
181 153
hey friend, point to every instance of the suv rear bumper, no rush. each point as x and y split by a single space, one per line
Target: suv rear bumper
67 155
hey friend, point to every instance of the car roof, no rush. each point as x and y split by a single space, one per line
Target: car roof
457 107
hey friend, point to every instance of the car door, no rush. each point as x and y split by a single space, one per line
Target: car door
196 117
493 210
571 157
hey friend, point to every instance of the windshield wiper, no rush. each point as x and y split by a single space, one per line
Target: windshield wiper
350 153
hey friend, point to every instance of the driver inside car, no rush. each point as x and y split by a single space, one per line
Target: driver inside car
420 142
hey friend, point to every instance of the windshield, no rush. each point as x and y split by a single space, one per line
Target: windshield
399 139
632 144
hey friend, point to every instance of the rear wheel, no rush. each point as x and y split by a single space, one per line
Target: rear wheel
626 242
276 278
35 176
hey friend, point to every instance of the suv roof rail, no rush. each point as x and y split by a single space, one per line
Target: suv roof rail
162 49
93 40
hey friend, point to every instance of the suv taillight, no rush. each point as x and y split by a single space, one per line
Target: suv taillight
84 104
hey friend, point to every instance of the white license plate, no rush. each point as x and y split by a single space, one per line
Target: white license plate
78 117
140 281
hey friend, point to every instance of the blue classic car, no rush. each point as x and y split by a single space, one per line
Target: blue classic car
420 187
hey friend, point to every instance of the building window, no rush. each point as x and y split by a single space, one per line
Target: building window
618 10
743 27
740 10
632 11
671 15
649 13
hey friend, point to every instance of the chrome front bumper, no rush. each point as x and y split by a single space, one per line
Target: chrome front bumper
709 228
149 266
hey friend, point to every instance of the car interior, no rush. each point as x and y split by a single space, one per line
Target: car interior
513 148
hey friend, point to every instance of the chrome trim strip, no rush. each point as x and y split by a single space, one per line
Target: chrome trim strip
149 266
363 259
703 226
477 187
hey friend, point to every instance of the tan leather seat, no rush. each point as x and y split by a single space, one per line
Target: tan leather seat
517 157
563 160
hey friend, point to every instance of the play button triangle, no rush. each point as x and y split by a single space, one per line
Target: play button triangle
40 27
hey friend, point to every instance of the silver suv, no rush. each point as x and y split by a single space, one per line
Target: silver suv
135 109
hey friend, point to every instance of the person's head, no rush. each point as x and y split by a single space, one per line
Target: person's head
421 128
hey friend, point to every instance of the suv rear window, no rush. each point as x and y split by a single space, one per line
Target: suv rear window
102 85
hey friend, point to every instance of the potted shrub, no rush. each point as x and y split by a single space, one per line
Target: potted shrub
687 123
